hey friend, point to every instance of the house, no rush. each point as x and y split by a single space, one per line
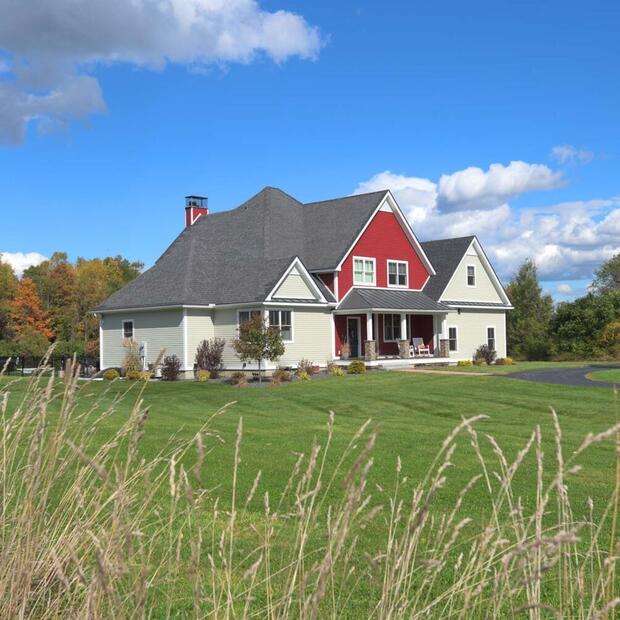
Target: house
348 270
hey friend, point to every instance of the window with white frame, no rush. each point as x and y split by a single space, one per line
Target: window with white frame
398 273
363 270
243 316
471 275
128 330
283 320
391 327
453 338
491 338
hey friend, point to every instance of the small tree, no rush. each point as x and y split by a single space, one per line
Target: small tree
209 356
257 342
171 368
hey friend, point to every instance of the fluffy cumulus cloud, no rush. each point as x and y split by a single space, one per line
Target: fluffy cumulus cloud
565 289
20 261
48 49
567 240
569 154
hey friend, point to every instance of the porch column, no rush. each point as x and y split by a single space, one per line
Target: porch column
403 326
369 327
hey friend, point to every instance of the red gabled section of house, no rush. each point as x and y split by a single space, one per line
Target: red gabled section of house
384 239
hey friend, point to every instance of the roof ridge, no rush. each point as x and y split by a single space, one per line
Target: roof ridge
449 239
349 196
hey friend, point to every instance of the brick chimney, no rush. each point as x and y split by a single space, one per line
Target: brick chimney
195 206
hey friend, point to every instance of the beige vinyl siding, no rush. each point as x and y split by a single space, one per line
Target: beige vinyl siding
294 287
159 329
311 336
457 289
472 331
199 328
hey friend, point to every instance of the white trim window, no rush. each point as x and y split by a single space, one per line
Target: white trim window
391 327
471 275
127 329
243 316
364 271
491 337
398 273
453 339
282 320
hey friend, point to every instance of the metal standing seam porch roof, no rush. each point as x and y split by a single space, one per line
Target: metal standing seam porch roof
365 299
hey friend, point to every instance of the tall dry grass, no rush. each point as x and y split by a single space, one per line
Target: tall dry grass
91 529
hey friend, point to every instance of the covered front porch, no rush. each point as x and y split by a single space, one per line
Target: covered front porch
385 324
379 336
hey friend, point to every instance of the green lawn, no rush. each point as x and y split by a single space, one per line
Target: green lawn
411 413
516 367
611 375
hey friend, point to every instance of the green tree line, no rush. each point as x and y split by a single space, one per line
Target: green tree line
53 302
588 327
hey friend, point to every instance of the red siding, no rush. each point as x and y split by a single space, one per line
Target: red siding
422 327
383 239
328 280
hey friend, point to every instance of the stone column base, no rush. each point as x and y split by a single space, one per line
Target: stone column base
403 349
370 350
444 347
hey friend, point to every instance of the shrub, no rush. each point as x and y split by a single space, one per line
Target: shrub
209 356
504 361
485 353
279 375
464 363
336 371
202 376
111 374
133 375
356 368
308 366
171 368
480 362
145 375
239 378
302 375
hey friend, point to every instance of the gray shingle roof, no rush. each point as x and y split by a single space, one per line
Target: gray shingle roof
445 256
238 256
466 304
381 299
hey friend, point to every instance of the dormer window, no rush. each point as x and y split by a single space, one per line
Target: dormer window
471 275
398 273
364 271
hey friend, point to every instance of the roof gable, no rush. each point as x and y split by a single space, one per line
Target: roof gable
451 258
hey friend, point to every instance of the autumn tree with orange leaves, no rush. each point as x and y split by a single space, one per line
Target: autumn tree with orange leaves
27 314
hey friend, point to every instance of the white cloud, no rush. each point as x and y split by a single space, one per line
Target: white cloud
473 188
53 46
568 154
567 240
564 289
20 261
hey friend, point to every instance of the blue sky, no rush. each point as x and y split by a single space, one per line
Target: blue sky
105 127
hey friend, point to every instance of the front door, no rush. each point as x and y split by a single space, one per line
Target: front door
353 336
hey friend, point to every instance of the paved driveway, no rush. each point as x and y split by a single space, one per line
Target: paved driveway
564 376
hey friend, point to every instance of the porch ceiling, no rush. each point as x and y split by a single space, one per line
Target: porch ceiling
388 300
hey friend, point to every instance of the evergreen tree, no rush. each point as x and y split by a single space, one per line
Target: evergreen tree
528 324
